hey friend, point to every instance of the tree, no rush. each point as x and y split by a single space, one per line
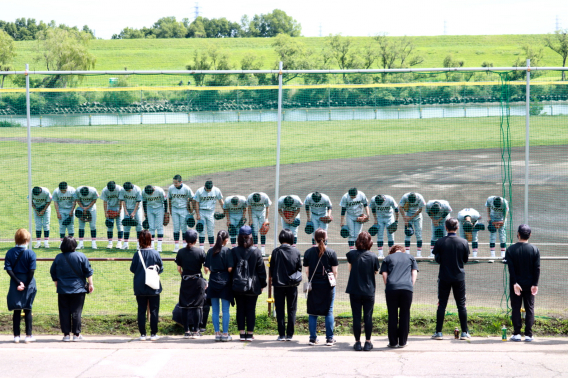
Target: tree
270 25
129 33
168 27
558 44
211 59
64 50
396 52
293 54
535 54
203 27
7 53
343 52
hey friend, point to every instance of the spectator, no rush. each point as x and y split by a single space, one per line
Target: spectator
363 265
451 252
146 297
523 260
286 272
69 271
319 261
399 272
20 264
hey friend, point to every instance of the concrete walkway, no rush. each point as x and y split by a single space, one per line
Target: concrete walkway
100 356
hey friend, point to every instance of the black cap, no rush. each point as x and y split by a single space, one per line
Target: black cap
84 191
412 197
316 196
379 199
208 184
111 185
149 189
256 197
36 190
235 200
128 185
62 185
288 201
352 192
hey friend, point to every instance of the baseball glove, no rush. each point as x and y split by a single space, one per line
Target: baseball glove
242 222
112 214
409 230
146 224
190 220
309 227
87 216
199 227
265 228
218 215
130 222
40 208
166 219
491 228
479 226
233 231
344 232
374 229
289 216
67 221
362 218
326 219
109 223
391 228
296 222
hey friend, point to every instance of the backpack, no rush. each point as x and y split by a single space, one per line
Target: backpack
242 281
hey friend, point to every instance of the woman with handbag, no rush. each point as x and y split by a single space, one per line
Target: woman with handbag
249 278
20 264
363 266
69 271
399 272
219 262
321 268
286 272
189 262
146 266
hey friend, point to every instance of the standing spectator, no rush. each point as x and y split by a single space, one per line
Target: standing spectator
69 271
286 272
20 264
451 252
363 265
249 266
319 261
189 262
523 260
219 262
399 272
146 297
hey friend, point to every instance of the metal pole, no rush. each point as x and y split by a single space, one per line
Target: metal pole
277 185
29 150
527 128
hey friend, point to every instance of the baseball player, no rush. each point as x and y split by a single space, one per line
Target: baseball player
63 199
438 211
235 209
130 199
497 211
113 212
354 204
86 199
259 209
41 202
155 206
385 212
318 205
470 224
289 208
205 200
181 204
410 206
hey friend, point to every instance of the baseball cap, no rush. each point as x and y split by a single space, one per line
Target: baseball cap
245 230
190 236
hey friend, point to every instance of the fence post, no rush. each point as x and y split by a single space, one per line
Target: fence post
527 128
277 183
28 114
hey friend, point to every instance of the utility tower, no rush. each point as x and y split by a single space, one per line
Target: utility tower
196 10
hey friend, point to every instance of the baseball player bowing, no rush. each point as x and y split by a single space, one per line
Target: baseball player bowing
259 207
156 209
354 212
318 211
113 212
470 225
385 212
181 204
410 206
497 211
63 199
235 209
289 210
205 200
438 211
41 202
130 199
86 199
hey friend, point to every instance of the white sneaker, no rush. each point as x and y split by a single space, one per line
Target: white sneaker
154 337
176 248
80 246
29 339
16 339
143 338
38 244
109 245
152 245
94 244
66 339
474 254
492 253
263 251
381 254
46 244
119 245
516 338
78 338
418 254
159 248
502 254
431 255
125 245
184 245
529 339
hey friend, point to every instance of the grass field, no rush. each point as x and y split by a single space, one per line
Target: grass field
175 54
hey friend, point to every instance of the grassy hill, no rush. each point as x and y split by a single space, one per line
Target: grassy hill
174 54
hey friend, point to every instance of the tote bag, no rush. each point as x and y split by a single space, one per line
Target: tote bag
151 273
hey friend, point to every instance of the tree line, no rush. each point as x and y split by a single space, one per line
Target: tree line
29 29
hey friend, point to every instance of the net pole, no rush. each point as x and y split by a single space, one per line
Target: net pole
527 129
277 184
29 149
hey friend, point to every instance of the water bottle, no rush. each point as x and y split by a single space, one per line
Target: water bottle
504 333
456 333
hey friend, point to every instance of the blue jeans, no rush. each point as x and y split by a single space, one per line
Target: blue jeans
329 322
215 316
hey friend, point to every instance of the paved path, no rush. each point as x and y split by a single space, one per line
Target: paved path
170 357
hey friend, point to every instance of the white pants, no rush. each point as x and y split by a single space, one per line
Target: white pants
156 219
317 223
234 219
138 217
117 221
43 221
71 226
382 224
258 220
92 223
417 226
290 227
208 222
354 227
501 231
178 216
440 226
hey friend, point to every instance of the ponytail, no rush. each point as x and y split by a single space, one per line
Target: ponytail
221 237
320 236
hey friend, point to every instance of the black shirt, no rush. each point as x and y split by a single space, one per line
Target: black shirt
451 252
191 260
220 262
399 267
523 260
364 265
328 260
284 261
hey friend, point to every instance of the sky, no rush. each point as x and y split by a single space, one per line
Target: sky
352 17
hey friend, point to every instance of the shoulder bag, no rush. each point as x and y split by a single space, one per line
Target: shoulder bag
77 274
308 285
152 277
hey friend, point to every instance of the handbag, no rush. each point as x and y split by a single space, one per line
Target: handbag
77 274
308 285
152 278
